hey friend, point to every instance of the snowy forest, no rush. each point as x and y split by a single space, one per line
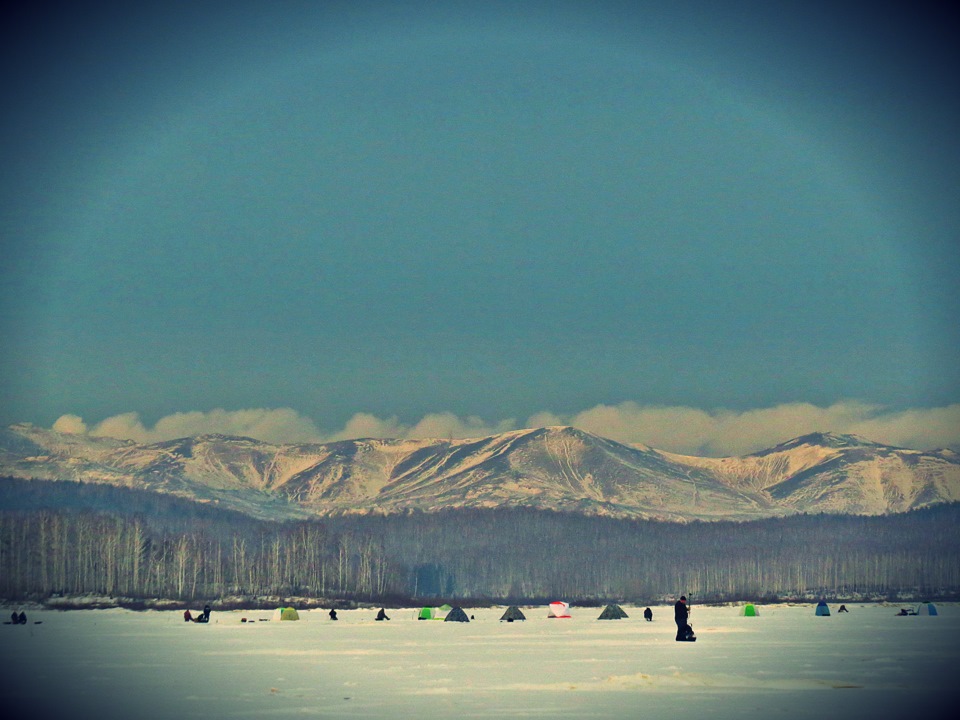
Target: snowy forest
75 539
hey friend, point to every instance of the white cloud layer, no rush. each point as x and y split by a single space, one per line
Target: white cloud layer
720 432
677 429
281 425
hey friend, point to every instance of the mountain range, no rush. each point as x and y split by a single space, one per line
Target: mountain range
562 469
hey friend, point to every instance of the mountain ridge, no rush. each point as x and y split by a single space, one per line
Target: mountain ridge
558 468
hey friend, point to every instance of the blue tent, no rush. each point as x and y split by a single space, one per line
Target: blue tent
822 608
926 608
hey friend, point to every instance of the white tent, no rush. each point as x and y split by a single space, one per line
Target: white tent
558 610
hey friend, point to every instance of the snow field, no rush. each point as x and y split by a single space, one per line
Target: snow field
786 663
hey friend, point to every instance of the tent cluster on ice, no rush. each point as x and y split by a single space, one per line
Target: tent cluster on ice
443 612
561 609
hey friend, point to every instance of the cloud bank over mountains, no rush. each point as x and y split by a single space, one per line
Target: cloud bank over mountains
685 430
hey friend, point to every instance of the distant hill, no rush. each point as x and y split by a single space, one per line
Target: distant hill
554 468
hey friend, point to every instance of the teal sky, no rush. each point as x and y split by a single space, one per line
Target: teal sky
485 209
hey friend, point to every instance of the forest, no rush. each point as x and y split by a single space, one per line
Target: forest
66 538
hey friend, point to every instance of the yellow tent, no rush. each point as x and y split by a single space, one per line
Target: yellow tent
286 613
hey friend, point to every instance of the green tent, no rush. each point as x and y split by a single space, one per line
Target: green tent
823 609
434 613
286 613
749 610
612 612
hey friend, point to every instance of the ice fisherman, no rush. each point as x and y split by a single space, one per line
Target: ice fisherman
333 614
680 613
187 617
382 615
648 614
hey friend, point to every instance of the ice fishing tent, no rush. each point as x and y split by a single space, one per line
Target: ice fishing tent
441 612
558 610
926 608
456 615
612 612
434 613
750 610
822 608
286 613
513 613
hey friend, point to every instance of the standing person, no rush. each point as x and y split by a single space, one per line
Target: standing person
648 614
680 614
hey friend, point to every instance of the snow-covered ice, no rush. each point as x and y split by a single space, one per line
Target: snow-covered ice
786 663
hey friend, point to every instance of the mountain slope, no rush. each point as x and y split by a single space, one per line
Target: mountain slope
556 468
827 472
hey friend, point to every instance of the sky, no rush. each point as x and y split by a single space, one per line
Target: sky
707 227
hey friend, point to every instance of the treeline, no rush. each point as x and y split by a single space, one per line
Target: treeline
75 539
527 554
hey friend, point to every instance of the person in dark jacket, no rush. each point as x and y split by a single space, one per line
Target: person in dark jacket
382 615
648 614
680 614
333 614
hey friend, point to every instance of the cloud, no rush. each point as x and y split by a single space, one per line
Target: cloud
927 428
678 429
281 425
70 424
365 425
721 432
448 425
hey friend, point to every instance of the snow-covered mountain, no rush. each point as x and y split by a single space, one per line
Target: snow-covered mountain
555 468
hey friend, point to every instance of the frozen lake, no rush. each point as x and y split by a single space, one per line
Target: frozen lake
786 663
